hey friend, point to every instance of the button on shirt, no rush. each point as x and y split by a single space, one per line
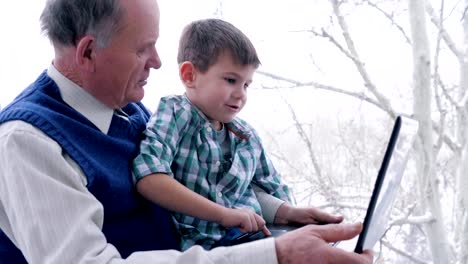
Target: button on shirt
179 141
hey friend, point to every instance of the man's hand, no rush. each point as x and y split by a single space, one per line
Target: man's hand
312 244
288 214
247 220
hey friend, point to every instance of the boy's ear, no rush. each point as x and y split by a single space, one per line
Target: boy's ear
187 73
86 53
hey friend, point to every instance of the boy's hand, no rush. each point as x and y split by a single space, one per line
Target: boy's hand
288 214
245 219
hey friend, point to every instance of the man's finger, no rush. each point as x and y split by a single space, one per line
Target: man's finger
337 232
342 256
324 217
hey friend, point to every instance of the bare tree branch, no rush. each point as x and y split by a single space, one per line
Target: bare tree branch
325 34
403 253
390 18
442 112
451 143
325 186
445 36
384 102
415 220
360 96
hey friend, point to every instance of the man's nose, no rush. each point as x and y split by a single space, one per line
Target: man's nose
154 61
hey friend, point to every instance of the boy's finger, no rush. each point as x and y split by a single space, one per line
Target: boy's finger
266 231
254 220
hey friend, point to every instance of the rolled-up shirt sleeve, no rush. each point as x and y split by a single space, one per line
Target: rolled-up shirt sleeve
268 203
159 145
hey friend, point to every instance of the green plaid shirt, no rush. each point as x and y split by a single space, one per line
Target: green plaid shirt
179 141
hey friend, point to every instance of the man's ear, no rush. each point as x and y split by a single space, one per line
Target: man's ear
187 73
86 53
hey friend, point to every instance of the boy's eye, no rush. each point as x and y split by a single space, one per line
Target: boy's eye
230 80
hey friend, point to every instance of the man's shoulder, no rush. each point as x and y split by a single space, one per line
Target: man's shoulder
18 128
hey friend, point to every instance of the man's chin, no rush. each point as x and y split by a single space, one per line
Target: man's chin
138 95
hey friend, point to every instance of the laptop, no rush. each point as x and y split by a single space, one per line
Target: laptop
385 189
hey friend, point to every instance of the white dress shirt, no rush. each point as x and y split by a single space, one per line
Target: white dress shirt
47 211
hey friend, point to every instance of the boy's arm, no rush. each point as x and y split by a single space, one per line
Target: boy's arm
169 193
266 176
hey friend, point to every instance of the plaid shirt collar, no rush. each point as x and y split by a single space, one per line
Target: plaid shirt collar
235 126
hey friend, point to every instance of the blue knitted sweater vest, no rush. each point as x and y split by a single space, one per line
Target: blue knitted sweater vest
130 222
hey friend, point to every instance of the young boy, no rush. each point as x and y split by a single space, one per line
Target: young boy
197 158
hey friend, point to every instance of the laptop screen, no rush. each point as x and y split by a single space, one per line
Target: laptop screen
385 190
387 183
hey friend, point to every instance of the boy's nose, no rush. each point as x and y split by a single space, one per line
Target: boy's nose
240 92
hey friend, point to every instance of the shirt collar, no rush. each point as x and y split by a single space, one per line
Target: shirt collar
83 102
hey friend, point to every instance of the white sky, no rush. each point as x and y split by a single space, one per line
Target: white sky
272 26
25 53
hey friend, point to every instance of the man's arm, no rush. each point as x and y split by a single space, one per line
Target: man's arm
51 216
275 210
288 214
268 203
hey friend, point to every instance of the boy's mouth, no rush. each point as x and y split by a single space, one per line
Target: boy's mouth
234 107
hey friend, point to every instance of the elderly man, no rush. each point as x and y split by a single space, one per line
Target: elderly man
66 143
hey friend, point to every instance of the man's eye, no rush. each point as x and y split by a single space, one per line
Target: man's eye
140 52
143 50
230 80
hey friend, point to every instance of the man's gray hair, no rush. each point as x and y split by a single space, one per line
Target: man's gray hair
66 21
